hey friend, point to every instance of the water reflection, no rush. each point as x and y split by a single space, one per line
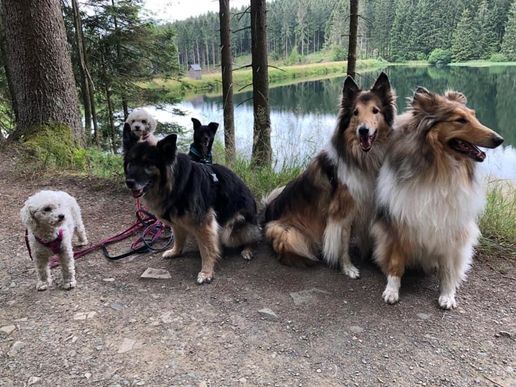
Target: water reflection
303 115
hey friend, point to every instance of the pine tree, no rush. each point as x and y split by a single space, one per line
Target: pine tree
487 40
465 39
509 38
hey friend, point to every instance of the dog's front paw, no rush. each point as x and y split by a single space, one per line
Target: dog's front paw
447 301
67 285
82 242
391 296
351 271
172 253
42 285
204 278
247 254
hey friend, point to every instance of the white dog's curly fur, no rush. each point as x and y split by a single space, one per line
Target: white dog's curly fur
142 125
44 215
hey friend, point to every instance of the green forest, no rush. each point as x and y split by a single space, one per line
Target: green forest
395 30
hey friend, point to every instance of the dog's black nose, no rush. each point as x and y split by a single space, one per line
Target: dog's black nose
137 127
497 140
61 216
130 183
363 131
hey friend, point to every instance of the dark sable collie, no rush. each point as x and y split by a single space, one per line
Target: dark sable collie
315 213
200 149
428 193
208 201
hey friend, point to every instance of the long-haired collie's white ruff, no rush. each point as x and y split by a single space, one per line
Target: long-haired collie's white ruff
428 193
315 212
142 126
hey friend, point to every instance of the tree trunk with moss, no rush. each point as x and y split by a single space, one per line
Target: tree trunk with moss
40 68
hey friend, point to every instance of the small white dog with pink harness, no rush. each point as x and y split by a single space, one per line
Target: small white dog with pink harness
52 218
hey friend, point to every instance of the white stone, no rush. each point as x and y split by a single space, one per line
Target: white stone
8 329
127 345
156 273
268 314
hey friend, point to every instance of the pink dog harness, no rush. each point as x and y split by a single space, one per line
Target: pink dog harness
53 245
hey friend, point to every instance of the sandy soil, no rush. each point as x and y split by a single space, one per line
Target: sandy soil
116 329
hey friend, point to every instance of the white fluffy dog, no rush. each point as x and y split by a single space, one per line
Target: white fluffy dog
142 125
51 219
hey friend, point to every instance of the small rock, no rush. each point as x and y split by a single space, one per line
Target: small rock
108 279
166 318
79 316
156 273
15 348
117 306
11 302
202 384
505 334
33 380
423 316
356 329
8 329
318 370
268 314
87 375
126 346
306 296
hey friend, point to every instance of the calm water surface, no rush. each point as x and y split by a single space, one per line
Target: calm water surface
303 115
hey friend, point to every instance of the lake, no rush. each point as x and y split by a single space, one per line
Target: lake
303 115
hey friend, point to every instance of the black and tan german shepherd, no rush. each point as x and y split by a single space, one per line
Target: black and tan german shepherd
207 201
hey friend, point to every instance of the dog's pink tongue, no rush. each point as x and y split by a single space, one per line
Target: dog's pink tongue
365 142
481 155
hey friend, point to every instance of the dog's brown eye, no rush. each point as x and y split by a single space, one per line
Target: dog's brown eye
133 121
144 121
461 120
47 209
355 112
375 111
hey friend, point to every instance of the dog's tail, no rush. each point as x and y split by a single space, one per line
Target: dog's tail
265 202
272 195
292 246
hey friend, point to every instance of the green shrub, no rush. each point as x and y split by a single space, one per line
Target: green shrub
339 53
440 55
498 57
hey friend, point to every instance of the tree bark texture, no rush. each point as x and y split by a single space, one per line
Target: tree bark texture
227 79
353 29
262 153
40 66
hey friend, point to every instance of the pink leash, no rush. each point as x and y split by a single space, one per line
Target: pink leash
150 227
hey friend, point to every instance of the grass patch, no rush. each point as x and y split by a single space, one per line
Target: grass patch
260 180
211 82
498 224
481 63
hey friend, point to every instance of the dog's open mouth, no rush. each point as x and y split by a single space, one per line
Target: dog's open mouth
366 141
468 149
139 192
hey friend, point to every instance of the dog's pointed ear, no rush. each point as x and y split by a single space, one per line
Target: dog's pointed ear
423 100
457 96
382 85
196 123
350 89
213 126
167 148
128 137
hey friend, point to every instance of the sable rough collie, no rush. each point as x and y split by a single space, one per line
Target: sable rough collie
315 213
208 201
428 193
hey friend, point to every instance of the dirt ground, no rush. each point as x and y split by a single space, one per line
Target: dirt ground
116 329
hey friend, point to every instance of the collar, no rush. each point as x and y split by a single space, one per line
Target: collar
53 245
205 160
